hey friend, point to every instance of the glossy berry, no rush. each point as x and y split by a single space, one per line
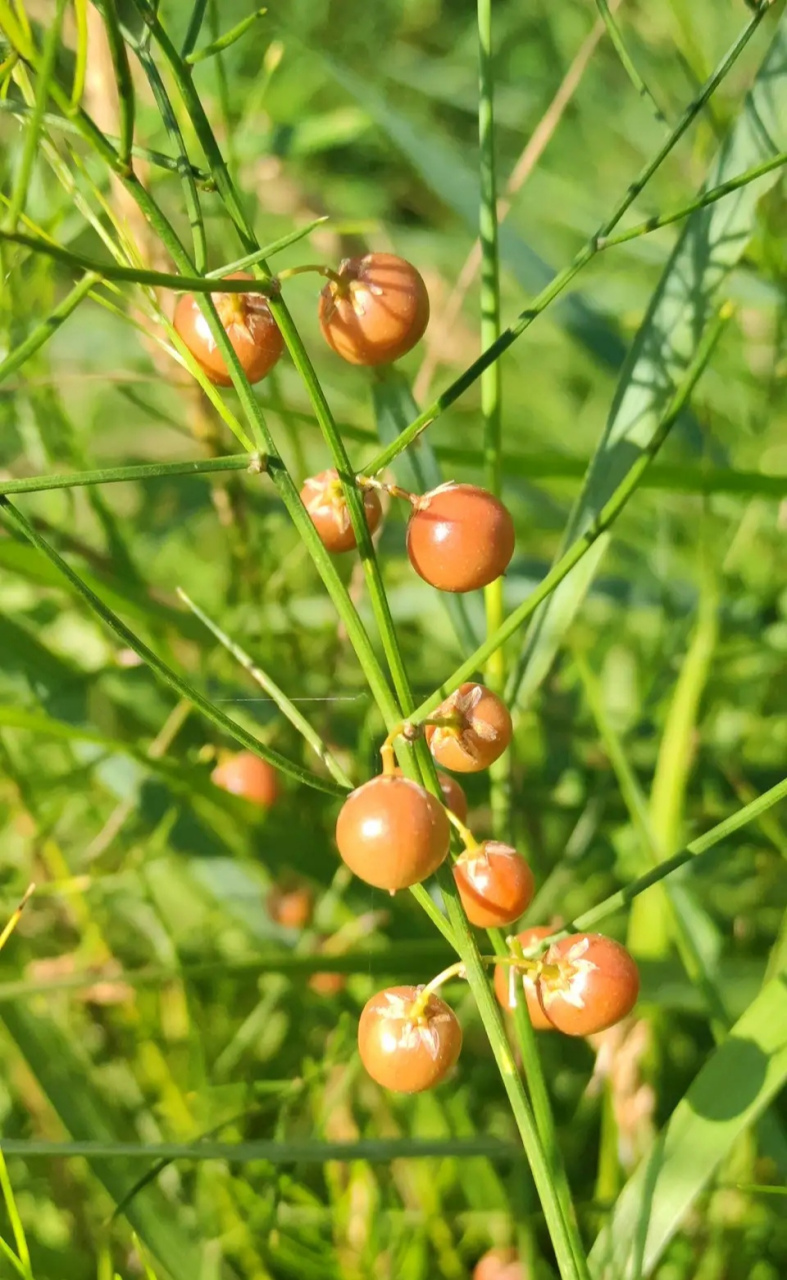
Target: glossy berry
376 311
499 1264
392 833
495 884
481 734
460 537
249 325
290 905
324 500
598 984
510 984
247 775
454 797
405 1053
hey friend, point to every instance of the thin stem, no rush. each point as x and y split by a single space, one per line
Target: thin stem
223 42
124 79
268 250
628 63
465 834
64 125
157 666
604 520
708 197
195 26
318 267
582 258
138 275
46 71
143 471
277 695
44 331
16 916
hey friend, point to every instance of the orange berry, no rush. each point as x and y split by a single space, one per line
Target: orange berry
249 325
598 984
509 982
495 884
454 797
290 906
403 1052
481 734
377 310
324 500
392 833
247 775
460 537
327 984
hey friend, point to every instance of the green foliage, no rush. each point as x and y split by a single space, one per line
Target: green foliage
181 1096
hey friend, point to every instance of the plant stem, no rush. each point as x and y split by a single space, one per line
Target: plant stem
124 79
277 695
25 171
615 36
606 517
224 42
582 258
44 331
144 471
160 668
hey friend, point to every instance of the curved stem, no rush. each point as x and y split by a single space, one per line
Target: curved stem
465 834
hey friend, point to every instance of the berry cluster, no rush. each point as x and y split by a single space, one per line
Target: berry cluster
372 311
391 832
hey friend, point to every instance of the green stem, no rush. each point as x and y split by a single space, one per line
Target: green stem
44 331
615 36
605 518
224 42
157 666
564 278
276 694
138 275
143 471
702 845
125 82
46 71
195 26
156 158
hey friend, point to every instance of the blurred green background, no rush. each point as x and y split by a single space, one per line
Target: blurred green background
366 113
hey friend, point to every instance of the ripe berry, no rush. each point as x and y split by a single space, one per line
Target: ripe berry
454 797
598 984
249 325
327 984
392 833
495 884
510 982
290 905
376 311
247 775
405 1052
460 537
481 734
324 500
499 1264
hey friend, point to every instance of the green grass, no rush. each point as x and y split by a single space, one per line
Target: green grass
177 1099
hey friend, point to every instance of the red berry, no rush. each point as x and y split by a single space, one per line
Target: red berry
499 1264
454 797
377 310
324 500
460 537
290 906
392 833
510 982
249 325
404 1052
481 734
495 884
597 985
247 775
